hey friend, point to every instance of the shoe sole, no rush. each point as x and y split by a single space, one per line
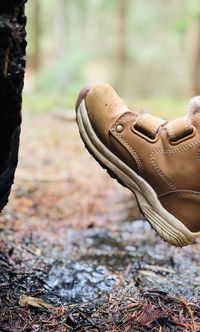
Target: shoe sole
165 224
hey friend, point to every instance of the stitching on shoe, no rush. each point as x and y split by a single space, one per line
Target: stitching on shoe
187 123
187 193
169 127
125 115
160 172
170 130
125 143
139 122
170 152
178 149
129 148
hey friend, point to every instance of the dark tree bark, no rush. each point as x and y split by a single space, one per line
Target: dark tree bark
12 66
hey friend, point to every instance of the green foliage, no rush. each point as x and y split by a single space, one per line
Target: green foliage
46 102
77 35
64 75
189 11
165 108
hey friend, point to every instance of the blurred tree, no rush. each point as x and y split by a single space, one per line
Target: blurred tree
62 27
194 56
121 43
36 31
80 39
121 49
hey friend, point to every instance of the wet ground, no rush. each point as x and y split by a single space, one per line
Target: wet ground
75 254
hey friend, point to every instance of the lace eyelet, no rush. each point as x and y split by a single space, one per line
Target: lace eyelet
119 128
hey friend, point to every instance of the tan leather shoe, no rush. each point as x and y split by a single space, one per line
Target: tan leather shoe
158 161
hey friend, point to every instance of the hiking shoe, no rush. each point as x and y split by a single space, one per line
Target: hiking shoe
158 161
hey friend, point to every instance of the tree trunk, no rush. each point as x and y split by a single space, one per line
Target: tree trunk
12 64
194 57
121 49
61 27
121 44
35 60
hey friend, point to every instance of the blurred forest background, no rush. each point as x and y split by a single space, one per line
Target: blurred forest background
149 50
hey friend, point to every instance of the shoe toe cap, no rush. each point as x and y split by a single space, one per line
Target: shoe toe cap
104 107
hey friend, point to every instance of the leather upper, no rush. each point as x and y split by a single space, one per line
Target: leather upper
166 155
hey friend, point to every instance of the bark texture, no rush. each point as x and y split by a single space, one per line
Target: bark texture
12 67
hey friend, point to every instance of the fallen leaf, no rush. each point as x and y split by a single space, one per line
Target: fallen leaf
150 314
35 302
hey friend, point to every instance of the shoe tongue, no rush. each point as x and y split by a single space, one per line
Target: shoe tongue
194 106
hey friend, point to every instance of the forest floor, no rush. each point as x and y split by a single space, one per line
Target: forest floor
75 254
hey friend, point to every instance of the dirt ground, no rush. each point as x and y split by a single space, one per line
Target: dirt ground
75 253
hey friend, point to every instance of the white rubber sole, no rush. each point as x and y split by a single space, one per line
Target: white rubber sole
165 224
